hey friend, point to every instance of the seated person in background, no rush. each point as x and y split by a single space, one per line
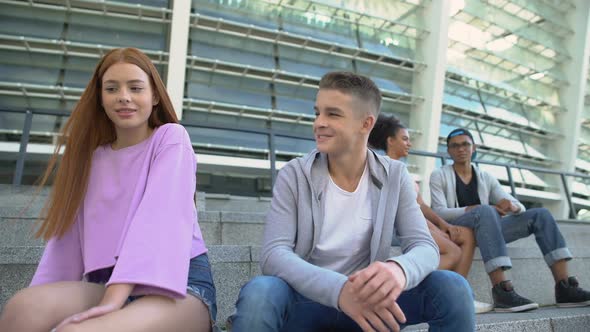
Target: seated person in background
465 195
456 244
326 260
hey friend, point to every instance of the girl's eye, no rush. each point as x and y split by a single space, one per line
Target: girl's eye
136 89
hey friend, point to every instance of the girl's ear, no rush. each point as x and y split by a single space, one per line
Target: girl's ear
390 140
155 99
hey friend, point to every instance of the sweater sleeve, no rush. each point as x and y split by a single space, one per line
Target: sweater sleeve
155 251
62 258
438 200
420 252
497 193
278 258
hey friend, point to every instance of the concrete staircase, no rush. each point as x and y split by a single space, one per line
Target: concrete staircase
232 228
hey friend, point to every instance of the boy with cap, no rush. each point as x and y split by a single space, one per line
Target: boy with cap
465 195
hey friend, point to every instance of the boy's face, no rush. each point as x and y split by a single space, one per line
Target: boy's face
460 148
341 126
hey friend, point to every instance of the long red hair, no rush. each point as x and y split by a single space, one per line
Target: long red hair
88 128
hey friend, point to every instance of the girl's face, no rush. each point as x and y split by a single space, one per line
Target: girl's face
127 97
398 146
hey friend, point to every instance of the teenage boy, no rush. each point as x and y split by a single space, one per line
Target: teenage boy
326 260
465 195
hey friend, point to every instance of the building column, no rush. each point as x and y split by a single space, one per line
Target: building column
429 83
177 50
572 98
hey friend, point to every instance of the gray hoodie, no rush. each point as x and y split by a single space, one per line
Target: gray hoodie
296 214
443 192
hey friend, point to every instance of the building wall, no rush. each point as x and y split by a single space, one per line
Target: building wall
252 68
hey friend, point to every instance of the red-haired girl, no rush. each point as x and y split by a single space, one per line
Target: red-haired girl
124 251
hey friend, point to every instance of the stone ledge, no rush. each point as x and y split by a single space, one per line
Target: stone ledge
243 217
546 319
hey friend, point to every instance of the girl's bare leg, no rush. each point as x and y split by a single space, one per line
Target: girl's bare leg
450 253
41 308
466 242
151 313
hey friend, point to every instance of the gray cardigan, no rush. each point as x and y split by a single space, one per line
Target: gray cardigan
295 219
443 193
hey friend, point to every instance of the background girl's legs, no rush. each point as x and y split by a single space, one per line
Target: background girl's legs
466 241
41 308
450 253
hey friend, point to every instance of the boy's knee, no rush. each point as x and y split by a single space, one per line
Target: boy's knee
544 212
453 287
262 286
486 211
262 291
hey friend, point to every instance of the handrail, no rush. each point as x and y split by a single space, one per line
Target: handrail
271 135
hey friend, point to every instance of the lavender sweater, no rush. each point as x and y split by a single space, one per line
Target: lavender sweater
138 215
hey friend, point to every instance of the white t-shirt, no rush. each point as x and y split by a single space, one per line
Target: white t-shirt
345 237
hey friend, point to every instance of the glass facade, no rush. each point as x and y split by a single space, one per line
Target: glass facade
252 69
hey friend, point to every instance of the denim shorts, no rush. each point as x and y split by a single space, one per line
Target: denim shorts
200 283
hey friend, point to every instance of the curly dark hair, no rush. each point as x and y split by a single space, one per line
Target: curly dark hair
385 126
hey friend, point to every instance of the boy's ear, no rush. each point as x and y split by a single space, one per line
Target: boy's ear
369 122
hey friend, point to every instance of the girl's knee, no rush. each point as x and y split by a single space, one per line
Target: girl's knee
24 312
467 237
454 253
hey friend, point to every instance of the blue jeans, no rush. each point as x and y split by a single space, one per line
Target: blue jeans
443 300
492 232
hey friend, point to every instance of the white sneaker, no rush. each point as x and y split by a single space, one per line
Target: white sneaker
481 307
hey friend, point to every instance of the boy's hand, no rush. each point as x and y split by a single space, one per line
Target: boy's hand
369 318
379 282
505 207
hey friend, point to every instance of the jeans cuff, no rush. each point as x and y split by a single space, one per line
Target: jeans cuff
557 255
498 262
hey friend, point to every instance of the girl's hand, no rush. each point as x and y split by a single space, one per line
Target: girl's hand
88 314
114 299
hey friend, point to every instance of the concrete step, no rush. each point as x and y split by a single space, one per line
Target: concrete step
231 228
224 219
235 265
240 228
224 202
547 319
27 201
